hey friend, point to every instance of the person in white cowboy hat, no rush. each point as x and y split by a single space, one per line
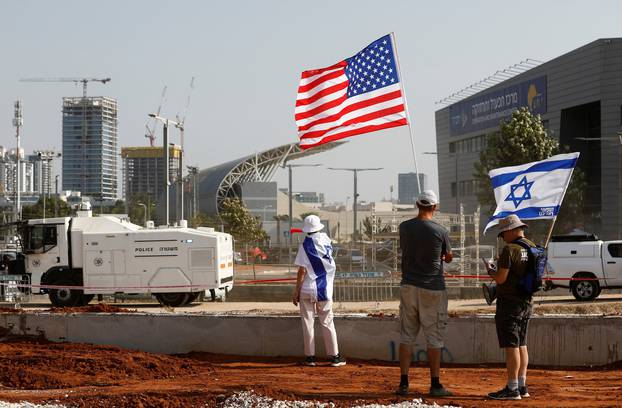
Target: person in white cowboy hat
513 307
423 298
314 290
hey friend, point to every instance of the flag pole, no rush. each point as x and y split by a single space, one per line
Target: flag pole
410 128
548 237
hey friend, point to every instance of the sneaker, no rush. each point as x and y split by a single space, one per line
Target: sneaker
524 393
402 390
309 361
505 394
490 292
440 392
337 361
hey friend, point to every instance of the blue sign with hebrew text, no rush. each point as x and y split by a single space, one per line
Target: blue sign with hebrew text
487 110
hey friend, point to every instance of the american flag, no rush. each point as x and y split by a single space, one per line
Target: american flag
361 94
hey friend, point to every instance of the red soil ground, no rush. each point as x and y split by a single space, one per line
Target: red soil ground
104 376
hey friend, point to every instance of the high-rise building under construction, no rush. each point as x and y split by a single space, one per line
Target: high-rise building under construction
143 171
90 146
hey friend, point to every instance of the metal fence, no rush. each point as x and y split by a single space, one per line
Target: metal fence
12 288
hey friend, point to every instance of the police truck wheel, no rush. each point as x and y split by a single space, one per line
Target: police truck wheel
172 299
65 297
585 290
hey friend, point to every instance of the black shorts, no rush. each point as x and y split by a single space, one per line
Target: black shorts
511 319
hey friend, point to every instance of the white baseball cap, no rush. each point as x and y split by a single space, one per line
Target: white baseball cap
312 223
427 198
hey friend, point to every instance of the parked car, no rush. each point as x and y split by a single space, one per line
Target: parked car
585 257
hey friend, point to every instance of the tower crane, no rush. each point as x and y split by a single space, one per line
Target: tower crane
83 81
151 131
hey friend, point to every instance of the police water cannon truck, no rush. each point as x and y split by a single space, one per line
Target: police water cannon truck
110 255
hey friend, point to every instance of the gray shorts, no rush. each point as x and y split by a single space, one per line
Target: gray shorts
423 309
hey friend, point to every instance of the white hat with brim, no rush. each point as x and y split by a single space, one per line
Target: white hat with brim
509 223
312 223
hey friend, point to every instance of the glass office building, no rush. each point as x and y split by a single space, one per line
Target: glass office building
90 146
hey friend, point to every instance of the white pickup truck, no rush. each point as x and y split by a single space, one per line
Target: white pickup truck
584 256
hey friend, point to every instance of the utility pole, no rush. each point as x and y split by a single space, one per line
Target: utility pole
18 122
167 183
355 197
290 197
57 196
181 123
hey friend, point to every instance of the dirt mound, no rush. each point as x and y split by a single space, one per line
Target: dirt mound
84 375
98 308
38 364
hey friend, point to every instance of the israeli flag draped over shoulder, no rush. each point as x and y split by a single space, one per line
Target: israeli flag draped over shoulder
533 190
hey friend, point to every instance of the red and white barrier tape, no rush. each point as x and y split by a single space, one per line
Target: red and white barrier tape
243 282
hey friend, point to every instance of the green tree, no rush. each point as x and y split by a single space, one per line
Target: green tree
520 140
36 211
239 222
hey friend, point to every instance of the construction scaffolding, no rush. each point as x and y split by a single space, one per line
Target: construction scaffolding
464 235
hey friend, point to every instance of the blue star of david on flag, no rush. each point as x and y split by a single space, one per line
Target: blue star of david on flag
533 190
526 185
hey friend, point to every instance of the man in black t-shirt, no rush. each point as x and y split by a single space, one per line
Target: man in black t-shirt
513 307
423 298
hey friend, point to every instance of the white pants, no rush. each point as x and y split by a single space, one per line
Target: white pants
308 307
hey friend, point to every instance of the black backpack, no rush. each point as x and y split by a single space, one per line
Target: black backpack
532 280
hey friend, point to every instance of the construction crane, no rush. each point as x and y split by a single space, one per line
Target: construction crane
83 81
151 131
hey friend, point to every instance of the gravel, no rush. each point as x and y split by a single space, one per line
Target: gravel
248 399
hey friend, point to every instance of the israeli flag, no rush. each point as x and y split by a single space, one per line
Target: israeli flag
532 191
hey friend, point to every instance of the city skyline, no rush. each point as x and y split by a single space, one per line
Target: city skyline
247 70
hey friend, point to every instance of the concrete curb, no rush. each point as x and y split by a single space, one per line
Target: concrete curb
553 340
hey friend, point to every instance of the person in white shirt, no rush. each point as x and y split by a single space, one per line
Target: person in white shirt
314 290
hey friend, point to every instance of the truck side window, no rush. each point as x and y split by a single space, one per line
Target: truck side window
615 250
36 238
49 237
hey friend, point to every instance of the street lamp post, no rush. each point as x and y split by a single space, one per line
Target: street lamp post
355 196
289 193
18 122
57 196
167 183
347 199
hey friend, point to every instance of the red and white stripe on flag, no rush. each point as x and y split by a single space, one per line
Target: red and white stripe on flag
359 95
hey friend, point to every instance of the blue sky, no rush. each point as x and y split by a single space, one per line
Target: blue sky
247 57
